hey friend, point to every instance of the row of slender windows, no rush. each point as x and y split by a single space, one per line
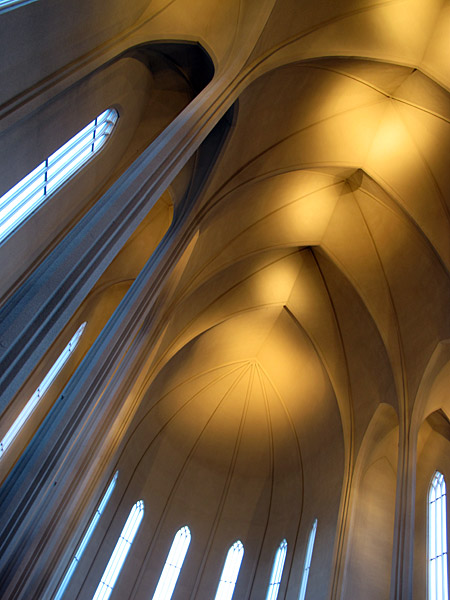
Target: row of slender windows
27 196
15 206
437 554
437 528
175 559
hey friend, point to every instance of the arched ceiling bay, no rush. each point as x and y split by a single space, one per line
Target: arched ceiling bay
318 286
403 32
328 206
223 429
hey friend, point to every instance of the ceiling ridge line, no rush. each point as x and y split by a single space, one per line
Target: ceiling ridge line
178 479
225 491
314 29
403 208
260 220
272 471
300 461
241 365
403 387
215 198
179 476
425 163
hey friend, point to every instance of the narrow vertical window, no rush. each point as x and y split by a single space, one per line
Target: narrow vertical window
86 538
115 564
230 572
31 191
437 539
6 5
308 557
174 562
39 393
277 571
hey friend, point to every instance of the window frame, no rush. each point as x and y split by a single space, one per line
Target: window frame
121 550
441 580
7 5
29 194
223 587
276 574
173 564
85 539
30 406
308 560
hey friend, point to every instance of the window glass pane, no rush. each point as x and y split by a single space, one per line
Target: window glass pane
86 538
32 181
43 387
115 564
86 132
6 5
308 557
230 572
277 571
31 191
437 539
174 562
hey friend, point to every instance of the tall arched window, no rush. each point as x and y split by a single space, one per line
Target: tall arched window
308 557
39 393
87 536
115 564
437 539
31 191
277 571
173 565
230 572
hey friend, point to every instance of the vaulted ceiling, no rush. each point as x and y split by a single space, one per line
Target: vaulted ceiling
317 288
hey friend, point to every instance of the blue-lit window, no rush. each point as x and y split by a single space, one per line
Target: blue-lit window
115 564
31 191
6 5
437 539
174 562
277 571
307 566
36 397
230 572
87 536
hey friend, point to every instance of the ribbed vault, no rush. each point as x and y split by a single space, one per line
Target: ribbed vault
315 293
281 352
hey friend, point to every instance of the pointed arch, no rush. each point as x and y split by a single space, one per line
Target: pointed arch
174 563
230 572
277 571
123 545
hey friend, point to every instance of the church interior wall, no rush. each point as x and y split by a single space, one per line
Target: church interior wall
261 254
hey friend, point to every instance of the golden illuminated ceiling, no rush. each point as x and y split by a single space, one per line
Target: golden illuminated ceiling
318 286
